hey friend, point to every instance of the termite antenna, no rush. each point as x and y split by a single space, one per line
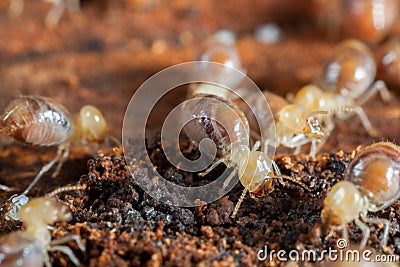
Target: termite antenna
301 184
317 113
235 211
65 189
280 177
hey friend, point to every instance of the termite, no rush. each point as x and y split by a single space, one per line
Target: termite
40 121
346 84
218 118
30 246
295 124
372 183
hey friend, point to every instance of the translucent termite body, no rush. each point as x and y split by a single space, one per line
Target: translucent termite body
30 247
351 71
372 183
216 117
388 58
216 113
367 20
40 121
346 84
55 13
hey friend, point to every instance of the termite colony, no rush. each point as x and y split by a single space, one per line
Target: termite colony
40 121
307 117
350 78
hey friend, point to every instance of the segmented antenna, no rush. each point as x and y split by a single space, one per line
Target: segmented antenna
246 189
235 211
64 189
317 113
342 109
292 179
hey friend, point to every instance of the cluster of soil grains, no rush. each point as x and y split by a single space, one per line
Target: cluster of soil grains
121 225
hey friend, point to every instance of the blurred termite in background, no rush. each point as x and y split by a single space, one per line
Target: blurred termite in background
367 20
388 60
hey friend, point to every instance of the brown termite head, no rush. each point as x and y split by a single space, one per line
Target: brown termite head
388 57
351 70
376 173
36 121
343 203
314 98
91 125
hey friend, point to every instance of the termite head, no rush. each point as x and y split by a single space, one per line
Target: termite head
301 121
43 211
254 168
343 204
91 124
314 98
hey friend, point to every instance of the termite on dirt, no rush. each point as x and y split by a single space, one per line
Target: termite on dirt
30 247
372 183
220 119
40 121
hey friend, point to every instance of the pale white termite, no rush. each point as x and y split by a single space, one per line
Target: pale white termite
347 83
30 246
